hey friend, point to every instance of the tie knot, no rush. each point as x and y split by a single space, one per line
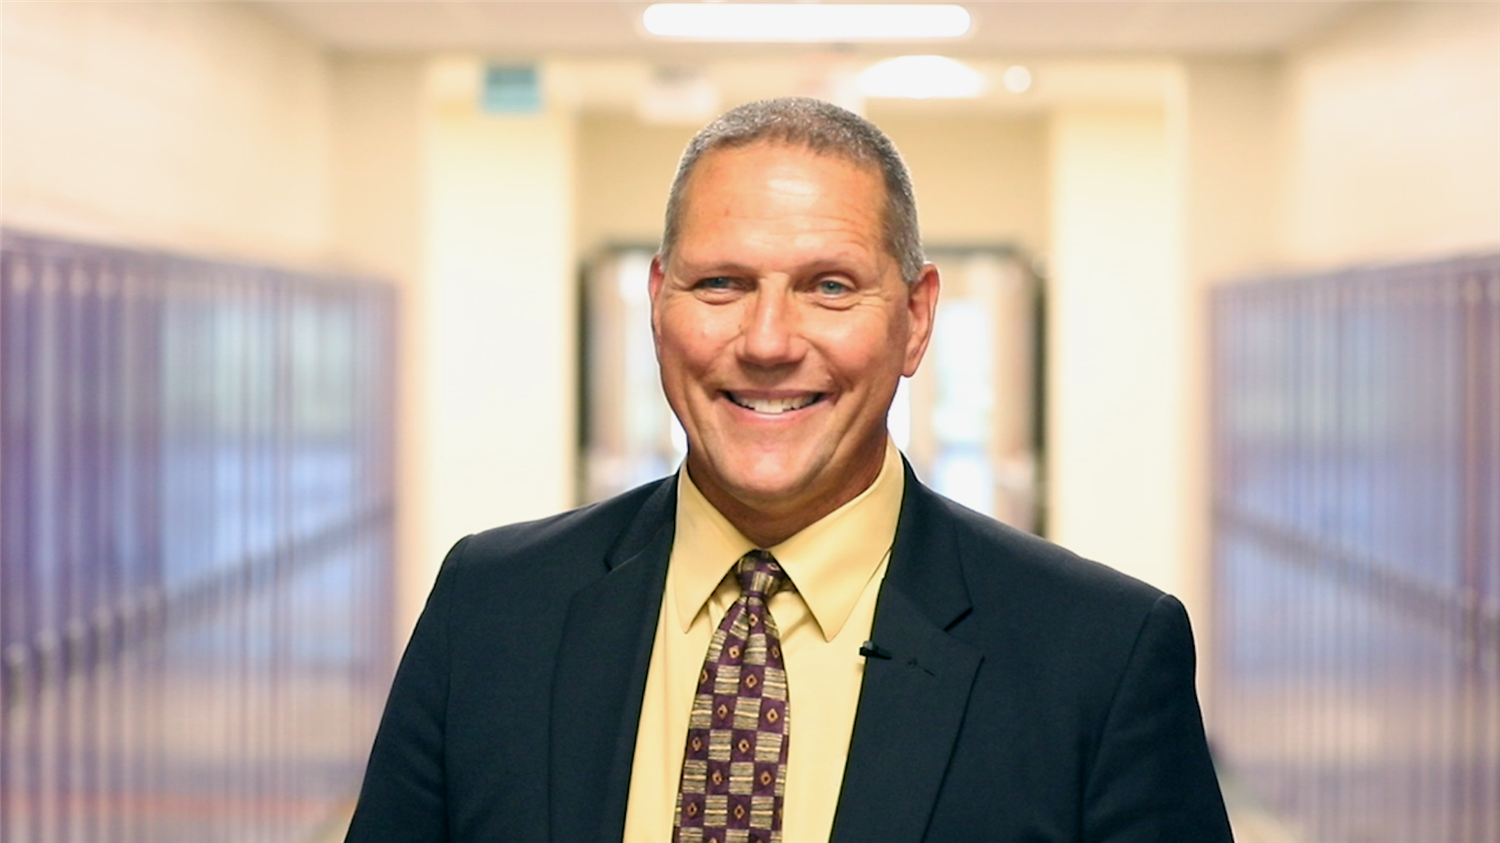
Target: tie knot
760 574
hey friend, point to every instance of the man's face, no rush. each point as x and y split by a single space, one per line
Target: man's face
782 326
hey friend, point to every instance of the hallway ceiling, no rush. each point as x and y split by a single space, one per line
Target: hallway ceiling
611 28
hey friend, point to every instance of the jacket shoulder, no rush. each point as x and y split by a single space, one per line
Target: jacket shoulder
591 531
1099 666
996 553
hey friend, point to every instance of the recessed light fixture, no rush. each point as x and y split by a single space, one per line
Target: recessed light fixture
1017 79
678 95
921 77
805 21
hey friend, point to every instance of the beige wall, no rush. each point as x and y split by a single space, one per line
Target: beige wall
624 171
1392 126
377 204
377 112
979 179
1115 342
1227 116
197 126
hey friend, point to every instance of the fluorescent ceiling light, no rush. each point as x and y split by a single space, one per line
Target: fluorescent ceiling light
921 77
805 21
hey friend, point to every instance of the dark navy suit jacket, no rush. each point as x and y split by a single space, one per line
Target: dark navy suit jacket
1029 695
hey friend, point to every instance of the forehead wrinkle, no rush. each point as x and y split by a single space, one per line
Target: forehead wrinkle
783 174
818 211
828 244
779 207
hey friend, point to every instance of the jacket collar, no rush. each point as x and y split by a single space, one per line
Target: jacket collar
916 687
600 677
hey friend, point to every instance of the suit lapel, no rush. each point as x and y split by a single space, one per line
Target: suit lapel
601 676
912 703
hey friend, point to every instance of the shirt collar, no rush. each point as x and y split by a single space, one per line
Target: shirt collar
830 561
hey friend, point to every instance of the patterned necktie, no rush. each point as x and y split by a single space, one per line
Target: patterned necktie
734 767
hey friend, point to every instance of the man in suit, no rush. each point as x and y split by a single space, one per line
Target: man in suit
898 668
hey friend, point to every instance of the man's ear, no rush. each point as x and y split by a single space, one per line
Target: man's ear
921 311
653 288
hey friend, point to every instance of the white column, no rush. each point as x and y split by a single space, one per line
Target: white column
499 386
1117 420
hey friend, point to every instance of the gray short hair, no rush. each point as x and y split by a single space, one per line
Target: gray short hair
822 128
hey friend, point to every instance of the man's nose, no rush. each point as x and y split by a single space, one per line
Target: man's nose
771 336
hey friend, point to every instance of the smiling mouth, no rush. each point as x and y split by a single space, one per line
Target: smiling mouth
776 406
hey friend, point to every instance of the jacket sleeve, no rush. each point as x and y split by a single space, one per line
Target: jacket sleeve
1152 778
404 795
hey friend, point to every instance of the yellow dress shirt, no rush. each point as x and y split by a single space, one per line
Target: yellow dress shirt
836 565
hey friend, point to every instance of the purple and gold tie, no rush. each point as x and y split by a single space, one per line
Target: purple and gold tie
734 768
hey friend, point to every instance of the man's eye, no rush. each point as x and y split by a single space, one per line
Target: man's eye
830 287
715 283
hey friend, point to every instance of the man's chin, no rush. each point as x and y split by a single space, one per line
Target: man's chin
766 494
767 490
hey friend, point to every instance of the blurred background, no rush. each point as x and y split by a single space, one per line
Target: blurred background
293 294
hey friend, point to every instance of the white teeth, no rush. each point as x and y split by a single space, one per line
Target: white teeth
774 405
